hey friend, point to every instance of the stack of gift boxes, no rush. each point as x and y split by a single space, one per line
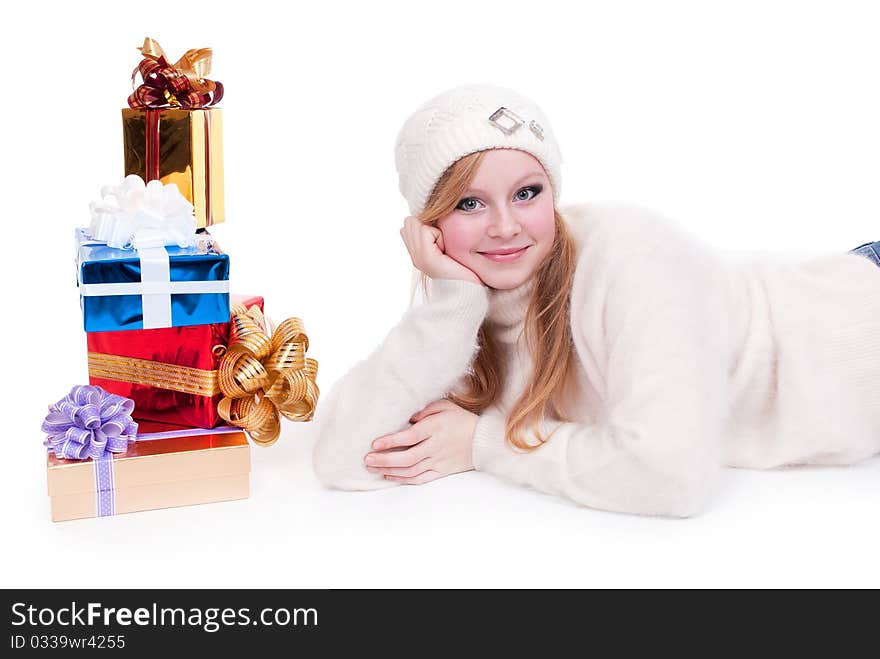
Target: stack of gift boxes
180 372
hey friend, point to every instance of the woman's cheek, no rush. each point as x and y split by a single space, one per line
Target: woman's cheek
541 225
458 240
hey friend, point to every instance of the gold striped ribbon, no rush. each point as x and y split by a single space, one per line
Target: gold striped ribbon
150 373
266 376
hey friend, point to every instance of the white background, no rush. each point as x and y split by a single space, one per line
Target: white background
756 124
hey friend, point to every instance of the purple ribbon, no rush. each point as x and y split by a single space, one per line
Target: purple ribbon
105 486
89 423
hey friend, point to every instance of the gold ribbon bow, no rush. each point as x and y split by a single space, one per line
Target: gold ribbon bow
263 378
184 83
194 64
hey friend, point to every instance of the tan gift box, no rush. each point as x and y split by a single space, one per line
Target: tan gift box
170 471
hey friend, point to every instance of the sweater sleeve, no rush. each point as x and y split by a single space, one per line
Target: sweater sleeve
660 365
419 361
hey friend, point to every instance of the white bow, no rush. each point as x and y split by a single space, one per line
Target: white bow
135 215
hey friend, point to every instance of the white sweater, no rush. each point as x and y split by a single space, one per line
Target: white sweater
686 361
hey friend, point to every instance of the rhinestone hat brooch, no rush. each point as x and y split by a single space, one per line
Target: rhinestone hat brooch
508 122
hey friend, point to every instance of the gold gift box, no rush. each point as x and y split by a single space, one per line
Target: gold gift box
184 147
155 473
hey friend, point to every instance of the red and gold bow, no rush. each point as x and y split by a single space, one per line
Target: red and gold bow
263 378
183 84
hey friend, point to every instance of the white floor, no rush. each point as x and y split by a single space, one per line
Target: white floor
796 528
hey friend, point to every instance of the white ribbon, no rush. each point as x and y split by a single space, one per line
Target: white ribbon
146 218
135 215
155 269
155 288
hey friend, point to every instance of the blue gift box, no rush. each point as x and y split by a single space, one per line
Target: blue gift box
128 289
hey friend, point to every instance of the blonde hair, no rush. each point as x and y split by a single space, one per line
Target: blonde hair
546 327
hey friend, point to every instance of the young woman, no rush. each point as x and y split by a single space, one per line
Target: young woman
598 351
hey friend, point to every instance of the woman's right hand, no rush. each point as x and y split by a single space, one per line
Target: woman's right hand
425 246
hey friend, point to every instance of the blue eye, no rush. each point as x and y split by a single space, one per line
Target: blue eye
469 204
529 192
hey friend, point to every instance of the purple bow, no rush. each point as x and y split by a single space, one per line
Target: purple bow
89 423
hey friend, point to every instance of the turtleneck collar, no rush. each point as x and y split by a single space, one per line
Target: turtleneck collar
507 311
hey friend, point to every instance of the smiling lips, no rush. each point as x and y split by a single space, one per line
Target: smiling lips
505 255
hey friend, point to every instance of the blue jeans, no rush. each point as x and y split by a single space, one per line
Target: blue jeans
870 251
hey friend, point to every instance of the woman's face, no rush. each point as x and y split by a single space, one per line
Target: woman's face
503 227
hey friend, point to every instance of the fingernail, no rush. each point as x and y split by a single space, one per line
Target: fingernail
370 460
377 444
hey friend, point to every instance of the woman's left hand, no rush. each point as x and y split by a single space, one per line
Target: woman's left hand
439 443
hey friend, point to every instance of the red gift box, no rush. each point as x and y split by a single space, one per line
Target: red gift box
170 372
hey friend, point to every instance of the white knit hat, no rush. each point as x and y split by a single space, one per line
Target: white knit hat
464 120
